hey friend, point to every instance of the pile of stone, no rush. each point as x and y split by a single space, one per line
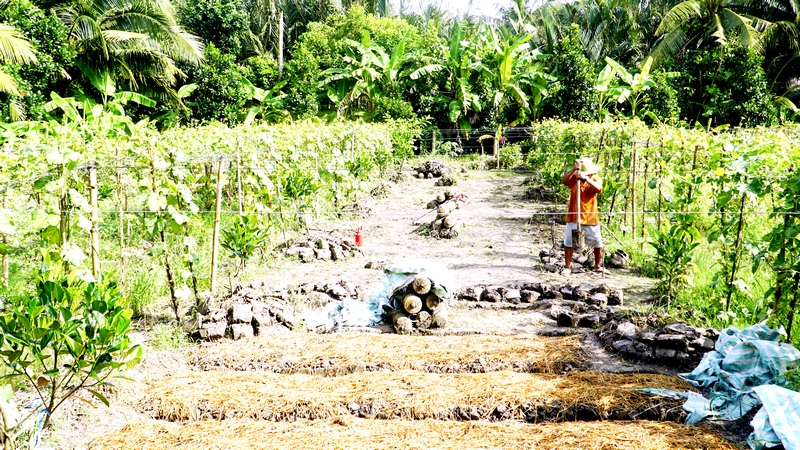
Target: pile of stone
311 248
618 259
676 343
432 169
516 293
317 295
553 260
255 309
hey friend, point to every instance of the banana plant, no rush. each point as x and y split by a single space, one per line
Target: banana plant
634 85
461 97
515 71
270 103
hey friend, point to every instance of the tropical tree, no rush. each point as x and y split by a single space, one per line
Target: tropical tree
633 87
14 49
138 42
705 23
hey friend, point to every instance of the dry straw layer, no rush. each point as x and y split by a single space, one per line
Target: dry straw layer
413 395
363 434
344 353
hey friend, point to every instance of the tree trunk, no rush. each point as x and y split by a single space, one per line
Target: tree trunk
280 45
215 236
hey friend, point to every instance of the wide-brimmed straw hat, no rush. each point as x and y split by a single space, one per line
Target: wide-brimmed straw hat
588 167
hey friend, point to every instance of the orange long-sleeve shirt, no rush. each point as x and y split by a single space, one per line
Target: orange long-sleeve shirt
589 193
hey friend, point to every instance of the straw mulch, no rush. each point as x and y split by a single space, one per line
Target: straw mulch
413 395
363 434
343 353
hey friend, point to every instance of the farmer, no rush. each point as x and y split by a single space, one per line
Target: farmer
583 173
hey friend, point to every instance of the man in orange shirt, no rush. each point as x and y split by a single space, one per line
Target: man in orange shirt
584 176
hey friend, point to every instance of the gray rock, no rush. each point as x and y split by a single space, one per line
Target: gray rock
665 353
306 254
491 294
190 324
567 319
598 299
603 289
673 341
213 330
529 296
262 320
322 253
581 293
627 330
588 320
320 243
306 288
566 293
624 346
615 298
552 295
240 313
207 303
337 254
337 291
241 330
646 336
512 295
218 315
551 268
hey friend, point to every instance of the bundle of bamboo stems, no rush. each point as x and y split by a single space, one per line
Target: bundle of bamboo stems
418 307
448 223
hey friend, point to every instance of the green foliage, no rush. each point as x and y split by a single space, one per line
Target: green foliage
55 56
168 336
222 23
221 92
67 337
725 85
510 156
572 96
245 236
673 259
141 290
262 70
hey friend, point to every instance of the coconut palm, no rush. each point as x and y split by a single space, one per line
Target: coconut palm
705 22
14 49
138 41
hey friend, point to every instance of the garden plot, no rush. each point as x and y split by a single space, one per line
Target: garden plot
343 353
414 395
351 433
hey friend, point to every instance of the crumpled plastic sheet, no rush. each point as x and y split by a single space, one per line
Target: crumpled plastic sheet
740 375
741 360
355 313
776 423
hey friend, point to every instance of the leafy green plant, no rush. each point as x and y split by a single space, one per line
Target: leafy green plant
673 258
510 156
141 290
244 238
56 350
168 336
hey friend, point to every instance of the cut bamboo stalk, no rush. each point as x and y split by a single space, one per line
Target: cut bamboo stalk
93 233
421 285
412 304
455 230
400 321
215 236
121 230
424 320
433 302
633 192
644 195
450 221
439 319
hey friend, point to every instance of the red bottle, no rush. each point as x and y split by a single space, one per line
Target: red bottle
359 236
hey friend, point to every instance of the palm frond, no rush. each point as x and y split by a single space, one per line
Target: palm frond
14 48
680 14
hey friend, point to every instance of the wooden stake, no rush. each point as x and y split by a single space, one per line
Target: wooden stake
215 237
5 242
280 45
736 248
644 195
239 174
691 185
660 172
614 197
121 229
497 144
93 234
633 194
433 142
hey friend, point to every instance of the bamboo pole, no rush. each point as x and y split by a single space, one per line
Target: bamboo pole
644 194
691 185
433 142
736 251
93 233
121 197
614 197
280 45
239 173
497 144
633 194
215 238
5 242
660 174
